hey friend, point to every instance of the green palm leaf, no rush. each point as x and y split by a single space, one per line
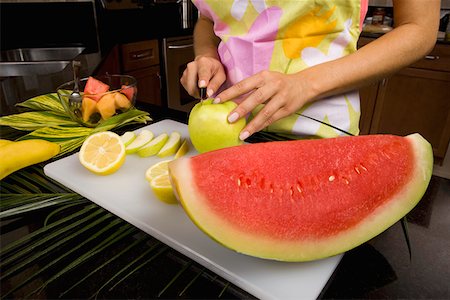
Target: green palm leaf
118 255
124 231
48 102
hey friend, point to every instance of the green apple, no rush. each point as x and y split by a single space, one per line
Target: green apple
209 128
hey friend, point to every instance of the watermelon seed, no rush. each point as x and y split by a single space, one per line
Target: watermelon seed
385 154
241 179
262 183
271 188
298 186
345 180
357 170
362 167
331 178
248 182
291 191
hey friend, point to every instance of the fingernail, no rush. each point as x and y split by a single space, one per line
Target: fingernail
244 135
202 83
209 92
233 117
216 100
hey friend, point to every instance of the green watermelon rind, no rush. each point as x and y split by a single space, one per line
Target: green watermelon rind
305 250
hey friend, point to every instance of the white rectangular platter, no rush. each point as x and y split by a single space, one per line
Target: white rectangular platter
127 194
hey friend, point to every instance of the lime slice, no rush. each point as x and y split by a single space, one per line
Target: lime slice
157 169
153 147
143 137
128 137
171 146
184 148
102 153
162 189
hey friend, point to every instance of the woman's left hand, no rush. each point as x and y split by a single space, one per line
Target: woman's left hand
282 94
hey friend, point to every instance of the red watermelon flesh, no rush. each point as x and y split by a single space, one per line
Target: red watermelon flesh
94 88
128 91
303 200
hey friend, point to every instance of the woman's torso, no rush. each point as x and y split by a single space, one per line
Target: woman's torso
288 36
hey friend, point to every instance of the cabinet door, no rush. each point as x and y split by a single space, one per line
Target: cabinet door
149 85
415 100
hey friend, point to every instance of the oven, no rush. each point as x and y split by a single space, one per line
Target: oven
177 52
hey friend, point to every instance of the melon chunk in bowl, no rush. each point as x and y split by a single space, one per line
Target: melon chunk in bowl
102 98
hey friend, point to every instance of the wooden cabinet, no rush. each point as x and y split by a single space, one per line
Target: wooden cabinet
141 60
415 99
149 84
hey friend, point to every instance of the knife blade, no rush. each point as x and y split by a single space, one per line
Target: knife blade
202 93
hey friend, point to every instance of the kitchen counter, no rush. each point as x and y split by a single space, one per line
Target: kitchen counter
380 268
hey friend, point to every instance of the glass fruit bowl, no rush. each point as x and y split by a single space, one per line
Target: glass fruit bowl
100 98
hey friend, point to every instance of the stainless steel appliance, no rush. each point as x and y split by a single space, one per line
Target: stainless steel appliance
39 39
182 13
177 52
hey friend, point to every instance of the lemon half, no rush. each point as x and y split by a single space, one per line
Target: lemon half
102 153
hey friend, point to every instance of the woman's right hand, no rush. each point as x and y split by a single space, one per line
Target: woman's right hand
204 71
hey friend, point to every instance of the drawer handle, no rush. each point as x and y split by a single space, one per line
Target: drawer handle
180 46
142 55
432 57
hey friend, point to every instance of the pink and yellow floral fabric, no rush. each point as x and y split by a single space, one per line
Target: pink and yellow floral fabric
288 36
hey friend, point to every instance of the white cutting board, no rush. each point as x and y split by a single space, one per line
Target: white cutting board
127 194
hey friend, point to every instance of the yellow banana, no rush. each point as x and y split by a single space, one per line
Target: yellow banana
5 142
17 155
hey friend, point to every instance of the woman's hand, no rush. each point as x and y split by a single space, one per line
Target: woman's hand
204 71
282 94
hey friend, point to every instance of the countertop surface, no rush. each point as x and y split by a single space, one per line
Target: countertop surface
380 268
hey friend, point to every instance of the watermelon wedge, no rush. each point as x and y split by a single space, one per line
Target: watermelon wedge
303 200
94 88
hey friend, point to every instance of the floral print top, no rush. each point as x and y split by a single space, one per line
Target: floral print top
288 36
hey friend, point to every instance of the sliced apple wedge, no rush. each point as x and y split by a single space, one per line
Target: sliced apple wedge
153 147
184 148
171 146
143 137
128 137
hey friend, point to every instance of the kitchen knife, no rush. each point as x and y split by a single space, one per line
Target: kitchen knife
203 95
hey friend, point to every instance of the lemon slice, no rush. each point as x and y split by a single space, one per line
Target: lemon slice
157 169
162 189
143 137
102 153
128 137
153 146
171 146
184 148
